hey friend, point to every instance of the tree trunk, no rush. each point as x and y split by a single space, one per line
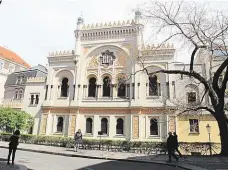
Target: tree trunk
223 128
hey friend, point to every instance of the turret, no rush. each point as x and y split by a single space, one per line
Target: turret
139 27
138 17
78 36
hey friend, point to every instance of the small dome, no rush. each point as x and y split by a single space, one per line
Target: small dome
80 19
137 12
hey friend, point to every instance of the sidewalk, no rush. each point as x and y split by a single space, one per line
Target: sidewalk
188 162
4 166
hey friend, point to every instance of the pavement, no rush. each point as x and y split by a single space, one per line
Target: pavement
40 161
187 162
5 166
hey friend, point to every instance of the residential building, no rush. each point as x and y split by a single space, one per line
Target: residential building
9 62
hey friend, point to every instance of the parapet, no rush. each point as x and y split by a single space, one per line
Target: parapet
108 24
62 53
36 79
157 47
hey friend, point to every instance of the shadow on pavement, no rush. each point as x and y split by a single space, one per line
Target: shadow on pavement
125 165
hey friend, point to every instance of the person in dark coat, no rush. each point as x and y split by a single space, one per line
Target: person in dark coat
78 139
171 147
176 143
13 145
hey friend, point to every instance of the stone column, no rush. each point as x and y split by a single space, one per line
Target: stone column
49 124
99 91
115 91
43 124
66 125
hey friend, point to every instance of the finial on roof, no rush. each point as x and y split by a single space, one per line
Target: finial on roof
80 19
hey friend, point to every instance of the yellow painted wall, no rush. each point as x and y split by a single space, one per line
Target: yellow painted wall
183 129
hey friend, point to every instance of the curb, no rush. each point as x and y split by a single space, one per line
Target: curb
107 158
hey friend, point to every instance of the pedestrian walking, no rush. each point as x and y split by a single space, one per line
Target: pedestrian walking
13 146
175 137
171 147
78 140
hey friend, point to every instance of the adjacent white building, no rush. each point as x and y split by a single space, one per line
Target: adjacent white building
25 90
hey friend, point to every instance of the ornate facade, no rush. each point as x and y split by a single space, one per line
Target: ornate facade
83 89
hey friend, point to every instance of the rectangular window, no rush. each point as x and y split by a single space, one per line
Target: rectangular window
194 125
37 99
20 95
19 79
34 99
11 69
1 66
191 97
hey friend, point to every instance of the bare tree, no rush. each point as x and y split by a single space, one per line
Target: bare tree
199 27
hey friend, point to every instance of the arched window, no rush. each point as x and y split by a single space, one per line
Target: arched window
153 86
89 125
153 127
60 124
106 87
92 87
104 126
32 99
64 87
119 126
16 95
121 90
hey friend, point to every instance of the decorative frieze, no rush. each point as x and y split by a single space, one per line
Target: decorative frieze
44 124
108 25
135 124
72 124
172 124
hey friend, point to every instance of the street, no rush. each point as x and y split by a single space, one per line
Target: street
38 161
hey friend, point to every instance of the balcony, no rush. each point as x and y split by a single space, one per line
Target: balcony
14 104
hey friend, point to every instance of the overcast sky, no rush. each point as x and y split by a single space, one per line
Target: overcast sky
33 28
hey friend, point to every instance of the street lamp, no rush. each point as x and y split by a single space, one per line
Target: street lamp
208 127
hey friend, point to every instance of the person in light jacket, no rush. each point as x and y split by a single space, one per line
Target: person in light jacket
13 146
78 139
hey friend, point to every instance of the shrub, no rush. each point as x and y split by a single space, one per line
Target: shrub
111 145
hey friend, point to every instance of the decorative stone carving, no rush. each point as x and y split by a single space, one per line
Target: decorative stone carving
171 123
135 126
44 124
106 59
93 62
72 124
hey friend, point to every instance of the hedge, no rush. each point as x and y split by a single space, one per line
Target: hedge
110 145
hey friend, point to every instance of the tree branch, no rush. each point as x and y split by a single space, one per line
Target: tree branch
193 57
204 95
217 74
199 108
212 94
225 79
